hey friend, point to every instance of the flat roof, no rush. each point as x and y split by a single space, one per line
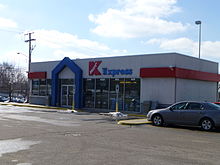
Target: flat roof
132 55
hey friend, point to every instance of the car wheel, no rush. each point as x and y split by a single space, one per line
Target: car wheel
157 120
206 124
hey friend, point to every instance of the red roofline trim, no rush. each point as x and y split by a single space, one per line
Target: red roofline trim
174 72
37 75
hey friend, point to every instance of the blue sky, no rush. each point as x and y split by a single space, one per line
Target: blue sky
100 28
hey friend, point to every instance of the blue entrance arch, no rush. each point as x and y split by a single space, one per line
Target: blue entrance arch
67 62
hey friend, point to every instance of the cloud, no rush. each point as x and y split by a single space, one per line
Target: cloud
56 39
180 44
61 44
76 54
2 6
20 60
7 23
71 54
149 8
137 18
209 49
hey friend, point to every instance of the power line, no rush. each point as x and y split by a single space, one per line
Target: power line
11 31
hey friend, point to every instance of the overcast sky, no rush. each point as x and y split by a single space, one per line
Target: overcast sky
100 28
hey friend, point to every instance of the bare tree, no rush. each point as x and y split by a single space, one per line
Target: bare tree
12 80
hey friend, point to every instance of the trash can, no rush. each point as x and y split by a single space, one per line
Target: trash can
146 106
154 105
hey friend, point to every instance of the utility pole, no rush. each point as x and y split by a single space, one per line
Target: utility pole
31 48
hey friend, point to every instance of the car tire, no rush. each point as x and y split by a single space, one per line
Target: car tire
157 120
206 124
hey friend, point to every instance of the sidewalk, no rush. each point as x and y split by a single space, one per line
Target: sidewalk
32 105
137 119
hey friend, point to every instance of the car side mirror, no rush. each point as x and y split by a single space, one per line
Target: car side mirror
171 109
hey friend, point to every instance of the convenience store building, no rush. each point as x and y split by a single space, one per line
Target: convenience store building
91 83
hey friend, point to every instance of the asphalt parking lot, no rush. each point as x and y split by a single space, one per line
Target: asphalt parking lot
30 136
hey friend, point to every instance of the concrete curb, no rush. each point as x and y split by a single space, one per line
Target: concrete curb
137 115
56 108
134 122
33 106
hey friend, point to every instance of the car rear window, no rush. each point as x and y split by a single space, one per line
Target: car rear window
195 106
212 106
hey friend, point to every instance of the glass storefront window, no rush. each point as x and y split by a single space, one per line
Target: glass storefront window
102 88
43 87
89 93
132 95
98 93
48 86
113 95
101 93
35 87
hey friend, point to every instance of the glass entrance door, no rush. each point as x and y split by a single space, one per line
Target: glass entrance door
67 95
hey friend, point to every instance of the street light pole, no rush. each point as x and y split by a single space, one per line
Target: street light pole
28 85
200 32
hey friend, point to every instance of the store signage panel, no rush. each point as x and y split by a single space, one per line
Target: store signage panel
94 70
114 72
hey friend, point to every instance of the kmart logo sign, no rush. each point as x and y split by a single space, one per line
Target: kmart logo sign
94 70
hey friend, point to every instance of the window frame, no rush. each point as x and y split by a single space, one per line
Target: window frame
189 108
172 107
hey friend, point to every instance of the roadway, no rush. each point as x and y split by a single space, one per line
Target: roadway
30 136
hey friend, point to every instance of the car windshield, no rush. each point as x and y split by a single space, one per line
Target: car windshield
212 106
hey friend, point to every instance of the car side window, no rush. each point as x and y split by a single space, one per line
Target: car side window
195 106
178 106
